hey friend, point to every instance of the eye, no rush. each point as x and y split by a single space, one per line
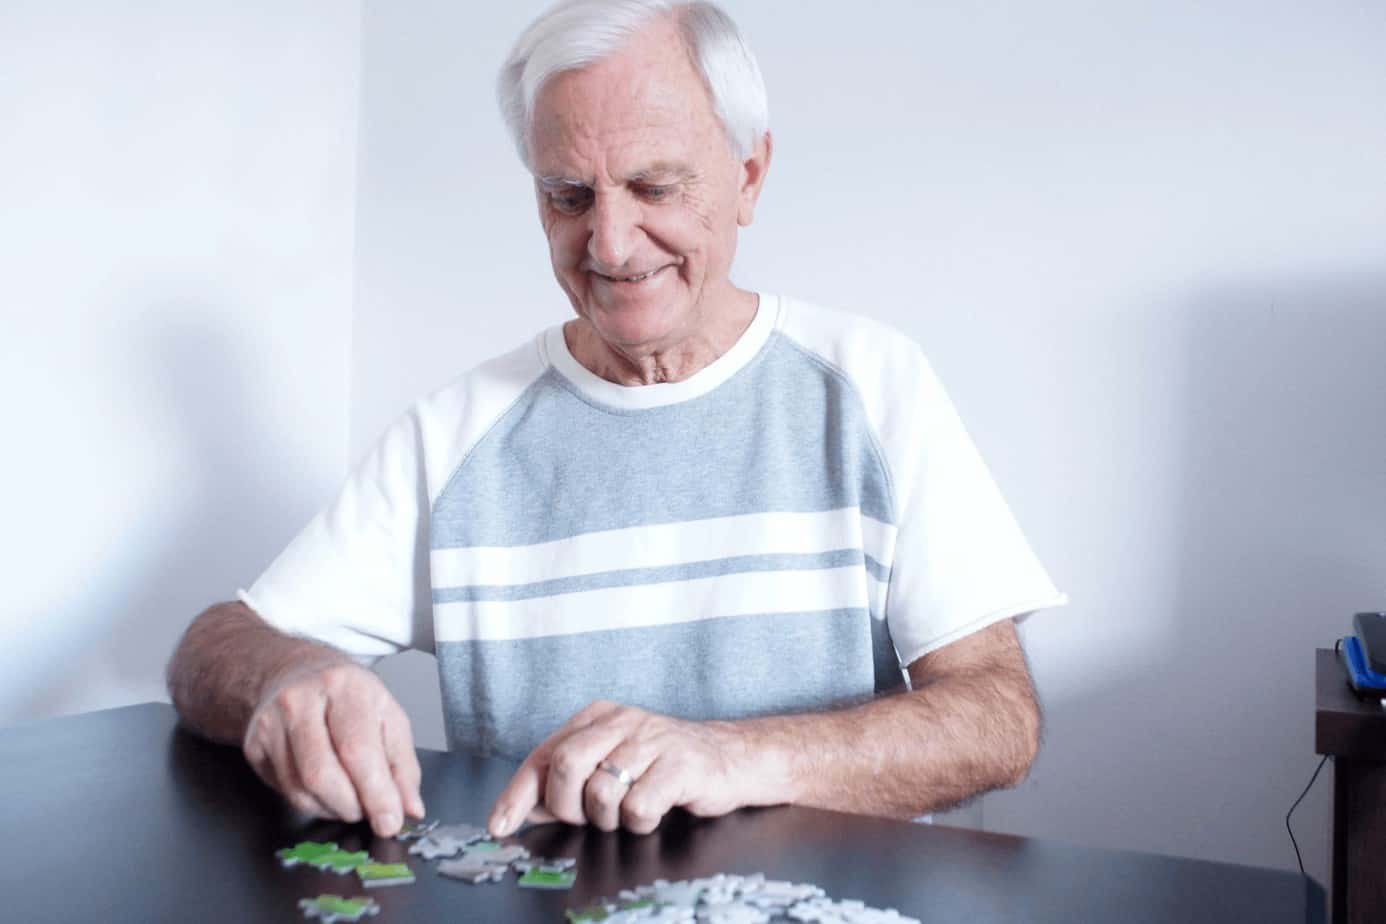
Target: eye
571 200
656 193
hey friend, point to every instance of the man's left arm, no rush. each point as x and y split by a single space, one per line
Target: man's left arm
970 723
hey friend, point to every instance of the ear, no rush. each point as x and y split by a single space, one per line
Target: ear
753 171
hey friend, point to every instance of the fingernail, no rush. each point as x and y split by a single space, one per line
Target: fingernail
390 823
501 826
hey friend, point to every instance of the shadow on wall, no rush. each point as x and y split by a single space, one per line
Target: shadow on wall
231 504
1283 536
1278 450
1284 506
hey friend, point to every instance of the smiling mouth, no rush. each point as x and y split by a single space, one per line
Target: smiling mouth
630 280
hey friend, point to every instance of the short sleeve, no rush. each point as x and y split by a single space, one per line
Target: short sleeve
356 577
961 561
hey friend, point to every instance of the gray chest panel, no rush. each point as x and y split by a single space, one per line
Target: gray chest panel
784 434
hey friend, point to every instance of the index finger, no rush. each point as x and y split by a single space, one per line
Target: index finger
403 761
520 798
521 795
358 740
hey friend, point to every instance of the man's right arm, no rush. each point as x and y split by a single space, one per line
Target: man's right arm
314 724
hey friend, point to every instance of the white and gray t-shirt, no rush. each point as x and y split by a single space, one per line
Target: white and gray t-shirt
778 533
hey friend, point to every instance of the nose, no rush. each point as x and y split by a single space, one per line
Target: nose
614 230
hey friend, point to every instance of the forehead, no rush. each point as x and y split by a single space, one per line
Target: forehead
646 104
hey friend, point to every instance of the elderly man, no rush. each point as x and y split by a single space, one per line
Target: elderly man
673 552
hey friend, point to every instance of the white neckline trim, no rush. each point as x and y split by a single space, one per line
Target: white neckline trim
641 397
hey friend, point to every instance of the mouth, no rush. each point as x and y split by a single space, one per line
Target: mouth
632 280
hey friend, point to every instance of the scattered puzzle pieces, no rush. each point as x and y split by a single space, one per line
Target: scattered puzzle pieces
725 899
332 908
384 874
719 899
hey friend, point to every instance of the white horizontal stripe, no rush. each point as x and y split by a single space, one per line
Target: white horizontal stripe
665 544
645 605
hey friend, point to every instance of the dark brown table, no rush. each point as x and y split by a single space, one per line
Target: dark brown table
1353 732
122 816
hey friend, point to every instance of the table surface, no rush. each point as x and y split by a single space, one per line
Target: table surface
121 815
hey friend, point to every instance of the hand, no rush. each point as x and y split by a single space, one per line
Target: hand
336 744
671 762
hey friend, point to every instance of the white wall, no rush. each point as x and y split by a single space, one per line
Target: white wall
176 212
1144 244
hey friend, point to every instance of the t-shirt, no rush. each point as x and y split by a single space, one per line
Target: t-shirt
779 532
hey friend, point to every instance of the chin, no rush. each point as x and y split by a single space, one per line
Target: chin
632 325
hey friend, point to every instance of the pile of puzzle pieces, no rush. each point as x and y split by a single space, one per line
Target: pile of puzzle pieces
469 854
485 860
727 899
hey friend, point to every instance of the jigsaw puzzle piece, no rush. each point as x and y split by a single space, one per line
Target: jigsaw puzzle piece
332 908
415 828
538 878
342 862
448 841
474 867
309 852
384 874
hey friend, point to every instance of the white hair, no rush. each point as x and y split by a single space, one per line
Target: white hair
572 34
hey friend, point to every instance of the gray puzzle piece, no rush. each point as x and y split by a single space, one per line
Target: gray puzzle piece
447 841
472 868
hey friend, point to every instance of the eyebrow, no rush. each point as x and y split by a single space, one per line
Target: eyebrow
668 169
560 181
663 169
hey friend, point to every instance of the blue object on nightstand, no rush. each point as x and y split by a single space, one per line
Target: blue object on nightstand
1364 681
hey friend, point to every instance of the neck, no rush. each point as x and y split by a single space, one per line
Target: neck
713 334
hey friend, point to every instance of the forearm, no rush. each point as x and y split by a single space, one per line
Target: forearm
226 662
928 749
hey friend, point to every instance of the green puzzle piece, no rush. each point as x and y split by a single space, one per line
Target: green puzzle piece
384 873
342 861
310 852
332 908
539 878
326 857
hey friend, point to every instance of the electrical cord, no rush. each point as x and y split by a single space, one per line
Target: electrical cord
1295 806
1337 647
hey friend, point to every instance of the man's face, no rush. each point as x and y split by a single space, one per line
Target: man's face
639 192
